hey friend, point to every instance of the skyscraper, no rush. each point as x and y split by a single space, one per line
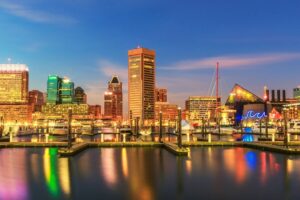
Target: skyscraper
13 84
67 91
115 87
59 90
296 93
53 89
80 96
108 104
14 107
141 84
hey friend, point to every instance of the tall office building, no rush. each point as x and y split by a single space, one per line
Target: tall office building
296 93
108 104
53 89
59 90
13 84
141 84
161 95
67 91
115 88
80 96
14 106
36 100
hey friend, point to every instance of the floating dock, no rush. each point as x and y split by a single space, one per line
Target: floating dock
175 149
273 148
293 147
76 148
213 143
31 144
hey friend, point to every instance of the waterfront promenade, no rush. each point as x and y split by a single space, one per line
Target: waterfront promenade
168 142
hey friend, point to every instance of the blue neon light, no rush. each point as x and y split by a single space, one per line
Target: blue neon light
247 138
248 130
251 114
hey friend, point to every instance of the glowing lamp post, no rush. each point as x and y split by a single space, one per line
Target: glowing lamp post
285 129
137 125
179 138
69 128
1 126
160 126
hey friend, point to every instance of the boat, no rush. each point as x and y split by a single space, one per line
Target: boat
256 128
145 131
125 130
86 129
107 130
60 129
24 132
294 126
225 130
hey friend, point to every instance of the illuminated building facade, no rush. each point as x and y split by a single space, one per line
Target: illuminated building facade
161 95
113 99
95 111
296 93
67 91
80 96
14 84
63 109
53 89
238 97
292 110
36 100
141 85
201 107
16 114
59 90
109 98
14 107
169 111
227 115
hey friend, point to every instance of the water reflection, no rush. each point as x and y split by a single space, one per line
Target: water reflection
147 173
65 177
108 166
13 177
124 163
50 171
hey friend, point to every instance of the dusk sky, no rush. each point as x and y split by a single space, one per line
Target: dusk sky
257 42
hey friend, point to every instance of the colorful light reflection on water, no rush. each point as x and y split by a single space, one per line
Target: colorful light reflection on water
148 173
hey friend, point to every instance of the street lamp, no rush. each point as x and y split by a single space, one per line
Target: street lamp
160 126
179 129
69 127
137 125
285 128
1 126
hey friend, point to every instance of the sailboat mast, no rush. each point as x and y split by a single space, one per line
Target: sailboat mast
217 80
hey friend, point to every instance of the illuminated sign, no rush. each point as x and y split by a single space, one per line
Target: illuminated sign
252 115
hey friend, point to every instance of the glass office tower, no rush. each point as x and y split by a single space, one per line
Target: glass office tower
53 89
67 91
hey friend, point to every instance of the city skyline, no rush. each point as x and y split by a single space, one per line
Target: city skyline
91 50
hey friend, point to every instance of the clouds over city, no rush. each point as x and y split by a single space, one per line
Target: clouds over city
109 68
34 14
234 61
